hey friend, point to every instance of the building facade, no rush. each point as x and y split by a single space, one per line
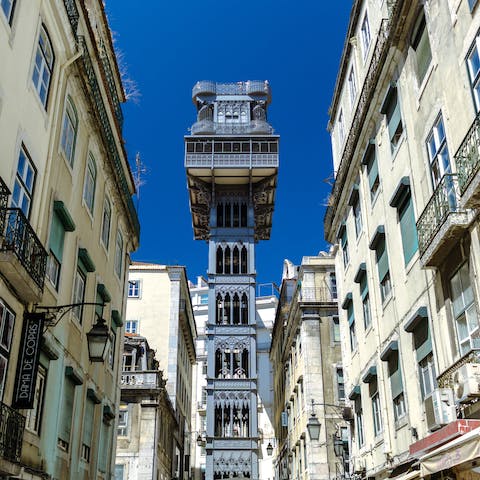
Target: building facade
404 129
231 159
67 226
307 367
146 418
159 308
265 304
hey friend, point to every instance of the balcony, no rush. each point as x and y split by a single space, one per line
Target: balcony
442 222
207 127
136 385
22 256
316 295
72 13
12 426
251 87
467 160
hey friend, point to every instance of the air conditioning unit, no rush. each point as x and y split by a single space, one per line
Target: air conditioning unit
440 408
467 382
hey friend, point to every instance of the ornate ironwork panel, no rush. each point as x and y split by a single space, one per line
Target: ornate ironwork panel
12 426
20 238
72 13
4 193
111 85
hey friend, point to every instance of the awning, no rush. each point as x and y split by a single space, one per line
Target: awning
463 449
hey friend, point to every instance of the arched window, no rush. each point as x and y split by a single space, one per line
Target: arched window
244 309
219 260
236 309
220 215
69 130
245 363
43 67
243 215
236 215
244 260
228 260
90 183
218 363
219 310
236 260
228 215
226 309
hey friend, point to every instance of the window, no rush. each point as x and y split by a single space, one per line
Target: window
359 422
34 416
340 383
333 285
119 254
383 268
7 8
377 414
344 243
341 129
336 329
90 182
119 472
437 149
24 183
473 66
463 306
122 428
471 4
367 315
106 220
88 429
69 131
134 288
396 382
357 215
112 348
391 109
399 407
351 322
7 320
79 293
43 67
204 299
66 413
365 36
372 173
428 378
421 46
352 86
131 326
408 227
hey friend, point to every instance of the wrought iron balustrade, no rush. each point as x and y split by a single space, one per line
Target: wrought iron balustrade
444 201
317 294
240 88
231 128
467 158
107 133
72 13
20 238
4 193
380 51
142 379
111 85
12 426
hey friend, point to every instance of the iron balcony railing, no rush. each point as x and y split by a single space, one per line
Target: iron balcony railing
207 127
240 160
205 87
111 85
20 238
4 193
316 294
444 201
107 133
12 426
72 13
382 45
467 158
142 380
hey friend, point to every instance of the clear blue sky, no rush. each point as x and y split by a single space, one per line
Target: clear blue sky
167 47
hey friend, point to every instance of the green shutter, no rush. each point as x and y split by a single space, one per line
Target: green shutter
88 422
57 236
372 170
422 50
422 340
67 410
393 117
382 260
408 228
364 286
350 314
396 383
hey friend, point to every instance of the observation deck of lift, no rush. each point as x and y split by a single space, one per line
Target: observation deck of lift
231 145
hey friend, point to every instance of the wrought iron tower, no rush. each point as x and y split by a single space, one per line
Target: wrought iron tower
231 160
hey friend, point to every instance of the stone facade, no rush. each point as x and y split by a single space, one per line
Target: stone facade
307 367
67 227
404 129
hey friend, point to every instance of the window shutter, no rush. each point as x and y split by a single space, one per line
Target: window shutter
382 260
351 317
396 383
372 169
408 228
393 117
67 410
57 235
364 286
424 54
88 422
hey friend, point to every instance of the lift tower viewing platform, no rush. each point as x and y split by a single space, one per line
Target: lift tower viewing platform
231 161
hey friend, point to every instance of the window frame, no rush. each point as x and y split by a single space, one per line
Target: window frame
90 183
34 416
376 414
77 311
420 40
129 324
134 288
7 316
474 77
119 253
8 15
438 167
365 36
352 85
106 223
25 181
41 64
68 136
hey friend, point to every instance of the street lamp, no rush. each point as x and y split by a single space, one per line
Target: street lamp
313 427
269 449
98 339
